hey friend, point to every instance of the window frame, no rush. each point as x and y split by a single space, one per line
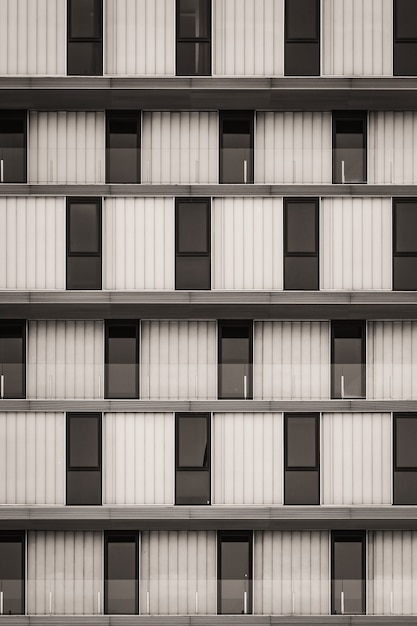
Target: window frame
334 325
133 115
348 536
92 40
16 536
22 116
121 536
96 469
314 255
358 115
204 255
196 40
126 322
237 536
188 468
401 469
4 324
398 41
248 115
70 200
314 468
302 40
232 324
395 254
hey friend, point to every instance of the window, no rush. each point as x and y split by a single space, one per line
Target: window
84 458
83 243
122 147
122 360
121 573
404 244
302 37
193 37
85 38
235 359
13 359
13 147
348 572
405 458
301 243
348 359
405 38
236 146
12 572
192 243
192 454
349 147
234 578
302 458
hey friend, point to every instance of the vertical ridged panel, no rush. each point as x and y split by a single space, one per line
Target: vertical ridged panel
291 571
356 458
393 147
32 458
356 243
64 572
291 360
247 458
32 243
65 359
138 458
140 37
178 569
138 243
293 147
66 147
247 243
357 37
180 147
178 360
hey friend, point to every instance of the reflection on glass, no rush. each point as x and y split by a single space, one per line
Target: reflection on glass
236 148
348 575
121 578
348 360
122 368
11 574
235 583
12 149
192 459
235 366
349 151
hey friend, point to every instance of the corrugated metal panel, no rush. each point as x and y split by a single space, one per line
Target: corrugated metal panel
247 461
64 573
32 243
293 147
32 36
247 243
356 458
178 570
393 147
66 147
291 360
356 243
178 360
392 565
291 571
247 37
180 147
138 458
65 359
139 243
32 458
140 37
357 37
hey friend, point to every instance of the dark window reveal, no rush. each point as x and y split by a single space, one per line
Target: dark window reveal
236 146
348 572
348 359
84 458
122 147
301 243
405 244
122 360
235 359
405 458
302 37
13 147
85 38
349 146
192 243
234 584
12 359
405 38
192 454
12 572
193 37
121 573
301 458
83 243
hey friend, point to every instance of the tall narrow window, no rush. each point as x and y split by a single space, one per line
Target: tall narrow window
301 243
234 577
349 147
13 359
122 147
405 38
122 360
84 458
193 37
235 359
192 458
121 573
12 573
302 37
348 359
301 458
405 458
236 146
404 244
85 38
192 243
83 243
13 147
348 572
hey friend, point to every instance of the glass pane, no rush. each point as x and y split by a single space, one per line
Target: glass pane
84 18
348 381
121 587
301 19
83 487
192 487
302 487
405 226
123 151
193 58
235 381
236 152
405 59
192 235
11 577
192 442
122 370
13 150
84 272
192 272
349 153
347 350
406 438
301 227
301 441
406 19
405 273
84 233
12 366
235 584
347 576
301 273
194 18
85 58
405 487
84 442
122 380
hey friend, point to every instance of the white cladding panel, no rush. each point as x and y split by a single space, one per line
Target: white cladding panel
357 37
32 458
180 147
178 360
293 147
248 37
356 458
65 359
247 458
65 570
32 243
291 360
247 243
291 571
66 147
32 37
392 147
138 461
355 243
178 569
140 37
139 243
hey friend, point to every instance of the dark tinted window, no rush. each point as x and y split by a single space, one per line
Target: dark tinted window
121 573
85 38
348 359
192 458
84 458
235 360
83 243
192 243
405 244
12 572
349 147
405 458
301 458
234 558
13 146
12 359
302 37
122 360
123 147
236 147
193 37
301 234
405 38
348 572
